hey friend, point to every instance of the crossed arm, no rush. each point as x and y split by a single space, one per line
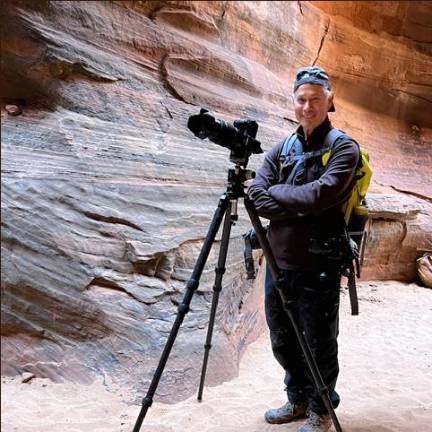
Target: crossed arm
280 201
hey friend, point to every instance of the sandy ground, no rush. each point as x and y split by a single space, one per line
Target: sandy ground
385 382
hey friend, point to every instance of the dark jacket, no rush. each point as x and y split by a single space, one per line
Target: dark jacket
296 213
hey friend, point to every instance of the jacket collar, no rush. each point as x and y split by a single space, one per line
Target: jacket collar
316 140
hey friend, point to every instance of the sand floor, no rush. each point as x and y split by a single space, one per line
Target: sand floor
385 381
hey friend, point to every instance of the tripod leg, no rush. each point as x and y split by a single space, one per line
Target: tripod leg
183 308
287 304
220 270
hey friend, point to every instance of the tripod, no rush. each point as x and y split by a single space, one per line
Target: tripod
227 207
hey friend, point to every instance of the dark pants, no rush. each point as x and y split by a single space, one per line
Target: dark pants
316 311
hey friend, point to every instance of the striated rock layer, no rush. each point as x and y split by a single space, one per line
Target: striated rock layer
107 196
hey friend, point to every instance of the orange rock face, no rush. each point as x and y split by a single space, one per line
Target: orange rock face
107 196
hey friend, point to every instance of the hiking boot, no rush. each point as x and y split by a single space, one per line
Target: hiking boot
285 413
316 423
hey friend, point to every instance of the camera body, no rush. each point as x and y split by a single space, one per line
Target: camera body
239 137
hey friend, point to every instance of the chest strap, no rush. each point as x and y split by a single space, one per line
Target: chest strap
292 156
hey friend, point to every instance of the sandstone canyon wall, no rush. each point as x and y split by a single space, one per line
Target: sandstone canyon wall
107 196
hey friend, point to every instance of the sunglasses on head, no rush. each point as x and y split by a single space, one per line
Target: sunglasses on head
312 73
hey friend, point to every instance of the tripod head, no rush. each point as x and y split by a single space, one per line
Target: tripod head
238 137
236 179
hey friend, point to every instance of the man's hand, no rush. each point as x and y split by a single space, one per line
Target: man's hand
266 206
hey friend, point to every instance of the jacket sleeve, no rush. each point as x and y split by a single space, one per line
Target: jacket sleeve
331 189
267 176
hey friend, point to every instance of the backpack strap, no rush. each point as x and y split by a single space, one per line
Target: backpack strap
329 143
301 158
331 138
287 146
352 265
285 151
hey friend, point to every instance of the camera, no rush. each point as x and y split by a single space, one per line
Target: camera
239 137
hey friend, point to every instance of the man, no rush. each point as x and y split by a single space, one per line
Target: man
303 202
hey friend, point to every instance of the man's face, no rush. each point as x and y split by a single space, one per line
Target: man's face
311 104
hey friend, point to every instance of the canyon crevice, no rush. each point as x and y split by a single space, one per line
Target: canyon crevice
107 196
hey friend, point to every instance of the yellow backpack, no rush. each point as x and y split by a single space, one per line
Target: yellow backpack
356 204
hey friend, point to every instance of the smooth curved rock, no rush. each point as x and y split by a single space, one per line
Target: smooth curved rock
107 196
399 232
